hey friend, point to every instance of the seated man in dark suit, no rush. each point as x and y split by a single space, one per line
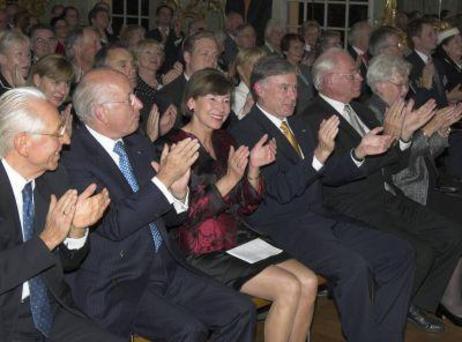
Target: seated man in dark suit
200 51
370 273
373 199
134 280
39 238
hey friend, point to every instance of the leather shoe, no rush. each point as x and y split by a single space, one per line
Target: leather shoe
424 321
443 312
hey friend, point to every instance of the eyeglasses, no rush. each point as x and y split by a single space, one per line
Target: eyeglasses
64 127
348 76
399 85
51 40
131 100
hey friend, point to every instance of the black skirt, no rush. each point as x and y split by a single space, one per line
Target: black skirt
231 271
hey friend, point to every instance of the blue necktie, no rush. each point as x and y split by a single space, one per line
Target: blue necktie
127 171
40 306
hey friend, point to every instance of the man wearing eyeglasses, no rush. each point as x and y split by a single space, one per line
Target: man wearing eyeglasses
373 198
42 224
134 280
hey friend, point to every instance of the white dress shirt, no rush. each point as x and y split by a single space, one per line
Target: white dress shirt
240 96
316 164
17 184
108 145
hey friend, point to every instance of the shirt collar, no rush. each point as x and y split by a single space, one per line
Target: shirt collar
423 56
106 142
17 181
358 50
338 106
275 120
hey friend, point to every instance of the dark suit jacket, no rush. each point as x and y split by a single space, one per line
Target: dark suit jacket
358 195
422 95
172 47
20 261
258 14
172 93
366 92
113 278
292 186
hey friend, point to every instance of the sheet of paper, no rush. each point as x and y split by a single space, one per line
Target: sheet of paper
254 251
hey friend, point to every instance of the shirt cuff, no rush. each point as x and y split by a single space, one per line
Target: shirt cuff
316 164
72 243
178 205
357 162
403 146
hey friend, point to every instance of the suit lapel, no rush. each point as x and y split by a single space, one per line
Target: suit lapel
101 158
282 143
8 210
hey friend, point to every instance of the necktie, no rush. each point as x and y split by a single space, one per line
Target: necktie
353 120
127 171
40 306
290 137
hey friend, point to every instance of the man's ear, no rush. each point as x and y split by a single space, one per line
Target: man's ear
259 88
36 80
187 57
101 114
21 144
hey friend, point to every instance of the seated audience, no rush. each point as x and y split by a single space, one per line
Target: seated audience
358 45
53 75
310 31
242 98
44 225
274 31
370 273
246 37
61 30
81 48
99 18
200 51
292 48
134 280
131 35
14 60
117 57
43 42
226 184
386 39
329 39
232 21
374 199
72 16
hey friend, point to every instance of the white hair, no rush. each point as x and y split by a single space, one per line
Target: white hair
17 115
324 63
384 67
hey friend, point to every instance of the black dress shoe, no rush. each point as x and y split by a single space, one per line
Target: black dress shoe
443 312
424 321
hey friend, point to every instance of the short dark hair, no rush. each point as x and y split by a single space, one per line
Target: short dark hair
37 27
204 82
289 38
101 55
94 12
378 38
164 6
190 41
269 66
414 28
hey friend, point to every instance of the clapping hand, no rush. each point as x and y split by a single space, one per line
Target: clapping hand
327 133
152 124
89 209
167 119
59 218
415 119
373 143
393 119
263 153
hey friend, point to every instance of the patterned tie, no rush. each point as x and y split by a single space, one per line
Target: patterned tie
353 120
126 169
40 306
290 137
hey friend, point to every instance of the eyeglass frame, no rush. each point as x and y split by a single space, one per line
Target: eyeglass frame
65 122
131 101
351 76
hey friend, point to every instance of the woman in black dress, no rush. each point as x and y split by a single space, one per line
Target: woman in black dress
226 185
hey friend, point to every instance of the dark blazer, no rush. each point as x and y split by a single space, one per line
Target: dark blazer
113 278
258 14
172 47
292 186
370 189
172 93
451 73
366 92
422 95
20 261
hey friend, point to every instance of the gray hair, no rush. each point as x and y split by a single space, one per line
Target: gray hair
383 67
273 25
17 115
90 92
323 64
10 37
270 66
